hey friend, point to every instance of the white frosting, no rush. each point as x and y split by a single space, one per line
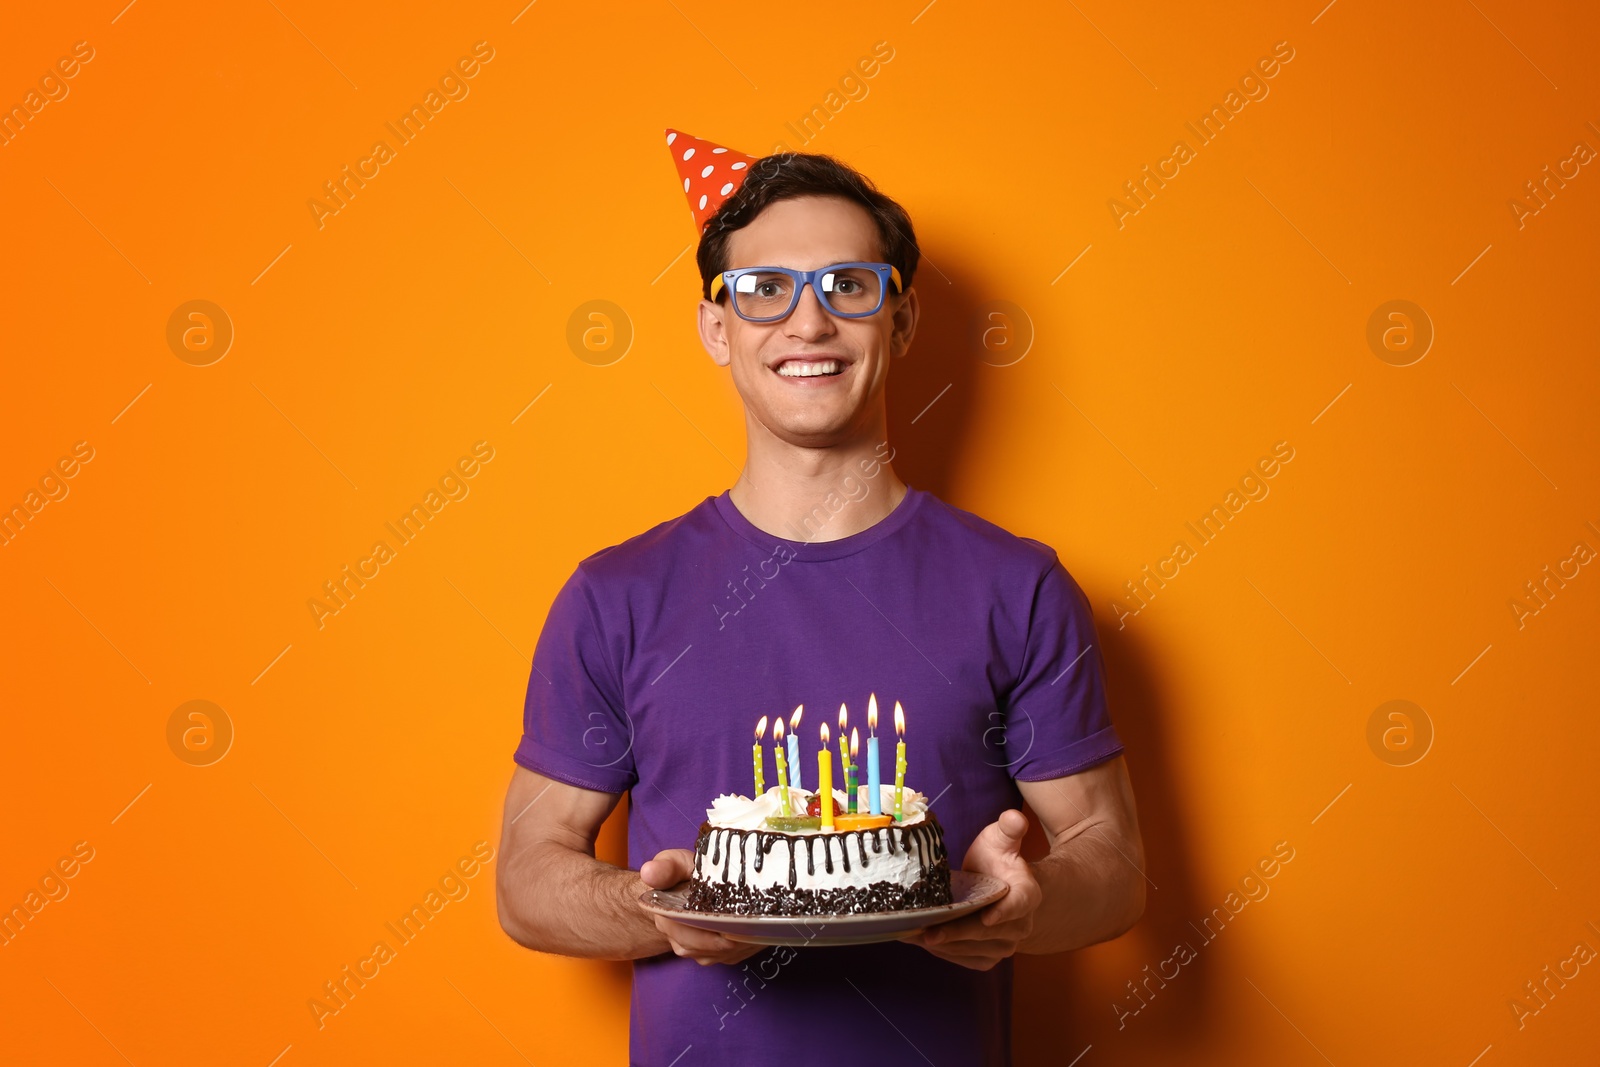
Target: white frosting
742 813
903 866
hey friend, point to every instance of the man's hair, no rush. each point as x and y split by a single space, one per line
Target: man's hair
788 175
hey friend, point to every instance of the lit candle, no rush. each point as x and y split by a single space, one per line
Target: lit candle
825 782
783 767
844 741
850 772
874 800
899 760
755 750
794 745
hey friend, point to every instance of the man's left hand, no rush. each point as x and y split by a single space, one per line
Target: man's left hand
988 936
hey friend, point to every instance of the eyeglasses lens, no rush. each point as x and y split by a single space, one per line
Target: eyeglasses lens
767 294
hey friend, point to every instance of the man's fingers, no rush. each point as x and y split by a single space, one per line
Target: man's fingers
1013 824
979 954
693 938
704 946
971 929
1022 899
957 930
1004 835
667 868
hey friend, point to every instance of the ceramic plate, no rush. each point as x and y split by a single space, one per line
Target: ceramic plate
968 891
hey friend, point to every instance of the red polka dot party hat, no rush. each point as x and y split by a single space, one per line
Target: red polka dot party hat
710 172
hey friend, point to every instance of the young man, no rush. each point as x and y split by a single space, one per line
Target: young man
818 577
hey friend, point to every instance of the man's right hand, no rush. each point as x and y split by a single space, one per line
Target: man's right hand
670 868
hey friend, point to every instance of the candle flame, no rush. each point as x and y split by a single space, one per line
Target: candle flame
761 728
844 719
824 735
872 714
794 720
777 730
899 720
855 744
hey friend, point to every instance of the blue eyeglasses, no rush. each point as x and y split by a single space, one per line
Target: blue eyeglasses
767 294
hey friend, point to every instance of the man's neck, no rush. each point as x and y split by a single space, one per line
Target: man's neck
817 494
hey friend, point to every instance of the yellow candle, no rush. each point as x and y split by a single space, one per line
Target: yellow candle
755 751
825 782
783 767
899 760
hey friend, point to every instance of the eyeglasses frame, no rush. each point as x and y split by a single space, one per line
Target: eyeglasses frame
886 272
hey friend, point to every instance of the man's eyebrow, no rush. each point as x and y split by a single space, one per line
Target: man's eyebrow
778 262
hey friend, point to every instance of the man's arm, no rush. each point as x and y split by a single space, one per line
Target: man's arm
1089 888
1093 876
553 895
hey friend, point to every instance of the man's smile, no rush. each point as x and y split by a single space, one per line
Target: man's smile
800 369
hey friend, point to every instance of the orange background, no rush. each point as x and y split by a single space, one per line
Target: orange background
1227 315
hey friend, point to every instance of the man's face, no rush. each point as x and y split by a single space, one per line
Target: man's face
803 234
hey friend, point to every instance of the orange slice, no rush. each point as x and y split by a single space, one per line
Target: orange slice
842 823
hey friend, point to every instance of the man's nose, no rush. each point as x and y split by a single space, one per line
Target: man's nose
809 319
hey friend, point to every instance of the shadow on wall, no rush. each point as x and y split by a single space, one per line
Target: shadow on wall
946 351
1053 999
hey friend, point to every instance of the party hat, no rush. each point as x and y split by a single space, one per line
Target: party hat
710 172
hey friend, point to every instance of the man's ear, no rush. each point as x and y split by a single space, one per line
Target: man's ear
712 333
905 324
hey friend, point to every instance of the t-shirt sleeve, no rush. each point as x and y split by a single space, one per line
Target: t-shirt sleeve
575 725
1056 711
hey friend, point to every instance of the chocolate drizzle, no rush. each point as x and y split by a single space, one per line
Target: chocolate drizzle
931 888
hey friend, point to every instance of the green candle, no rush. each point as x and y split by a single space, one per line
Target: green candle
850 774
755 750
899 761
783 768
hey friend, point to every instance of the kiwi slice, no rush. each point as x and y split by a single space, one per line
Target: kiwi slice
794 822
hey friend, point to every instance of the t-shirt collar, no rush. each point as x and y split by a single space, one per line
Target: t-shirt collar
813 551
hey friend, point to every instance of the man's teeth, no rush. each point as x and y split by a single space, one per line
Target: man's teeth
795 368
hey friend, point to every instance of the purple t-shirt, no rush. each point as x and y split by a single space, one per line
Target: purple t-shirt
658 656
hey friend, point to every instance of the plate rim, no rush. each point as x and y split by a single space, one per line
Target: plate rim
851 927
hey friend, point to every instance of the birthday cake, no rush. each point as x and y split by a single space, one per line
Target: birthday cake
751 859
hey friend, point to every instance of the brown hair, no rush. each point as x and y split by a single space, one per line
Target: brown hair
789 175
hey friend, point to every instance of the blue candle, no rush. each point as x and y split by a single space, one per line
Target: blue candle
874 798
794 749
